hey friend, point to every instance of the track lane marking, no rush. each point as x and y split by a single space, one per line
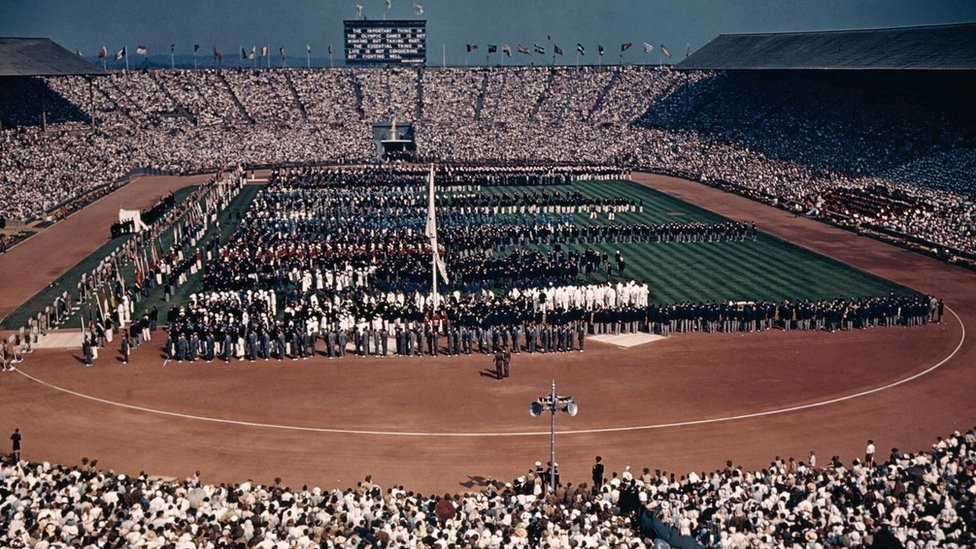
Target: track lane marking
328 430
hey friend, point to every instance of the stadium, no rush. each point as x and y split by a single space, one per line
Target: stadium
386 303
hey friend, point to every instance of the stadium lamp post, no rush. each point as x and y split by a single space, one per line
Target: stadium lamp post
553 402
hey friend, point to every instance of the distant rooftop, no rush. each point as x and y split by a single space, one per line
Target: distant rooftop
40 57
932 47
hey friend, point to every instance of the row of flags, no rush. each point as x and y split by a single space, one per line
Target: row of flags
557 50
143 50
418 8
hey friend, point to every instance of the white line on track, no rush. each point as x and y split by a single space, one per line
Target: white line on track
777 411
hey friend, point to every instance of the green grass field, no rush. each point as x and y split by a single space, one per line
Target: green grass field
768 268
765 269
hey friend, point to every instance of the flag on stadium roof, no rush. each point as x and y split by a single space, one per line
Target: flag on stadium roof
507 49
599 49
492 48
281 51
648 48
472 47
418 8
308 48
78 53
330 49
556 49
688 50
539 49
196 47
172 48
140 49
389 4
253 51
581 49
666 51
264 51
625 46
102 53
243 53
218 54
119 54
523 49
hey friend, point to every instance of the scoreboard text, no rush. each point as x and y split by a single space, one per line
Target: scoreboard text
385 42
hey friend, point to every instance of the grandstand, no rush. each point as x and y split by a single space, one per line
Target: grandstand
670 219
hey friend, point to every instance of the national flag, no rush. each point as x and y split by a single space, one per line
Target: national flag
102 53
243 53
472 47
418 8
218 54
430 231
648 48
253 51
172 48
119 54
281 51
580 49
78 53
196 47
389 4
687 50
264 51
308 48
330 49
556 49
492 48
523 49
507 49
599 49
666 51
359 10
625 46
140 49
539 49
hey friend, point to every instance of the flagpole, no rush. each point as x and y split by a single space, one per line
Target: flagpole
443 55
172 59
432 229
125 50
308 58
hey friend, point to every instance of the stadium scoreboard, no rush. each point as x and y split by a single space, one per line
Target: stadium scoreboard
399 42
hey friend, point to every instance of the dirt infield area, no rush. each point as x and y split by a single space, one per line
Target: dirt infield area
439 424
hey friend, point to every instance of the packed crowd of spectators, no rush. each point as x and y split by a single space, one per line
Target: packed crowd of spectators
785 139
919 499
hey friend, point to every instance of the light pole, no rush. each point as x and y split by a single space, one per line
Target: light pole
553 402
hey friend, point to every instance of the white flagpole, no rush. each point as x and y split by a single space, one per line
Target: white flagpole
125 49
432 234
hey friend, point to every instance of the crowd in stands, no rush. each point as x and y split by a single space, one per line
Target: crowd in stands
900 499
787 139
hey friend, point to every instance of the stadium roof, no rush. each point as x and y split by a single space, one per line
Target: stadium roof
40 57
935 47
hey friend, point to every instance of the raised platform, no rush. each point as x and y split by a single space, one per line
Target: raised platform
60 339
627 340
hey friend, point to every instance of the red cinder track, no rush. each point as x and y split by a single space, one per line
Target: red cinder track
437 424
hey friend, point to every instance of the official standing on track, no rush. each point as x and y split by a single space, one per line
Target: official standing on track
499 364
15 440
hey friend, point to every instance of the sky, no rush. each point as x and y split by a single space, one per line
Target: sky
87 25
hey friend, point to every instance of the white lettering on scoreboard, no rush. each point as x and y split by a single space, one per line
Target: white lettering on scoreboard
385 42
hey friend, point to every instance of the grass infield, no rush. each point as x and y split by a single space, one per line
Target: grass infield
765 269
